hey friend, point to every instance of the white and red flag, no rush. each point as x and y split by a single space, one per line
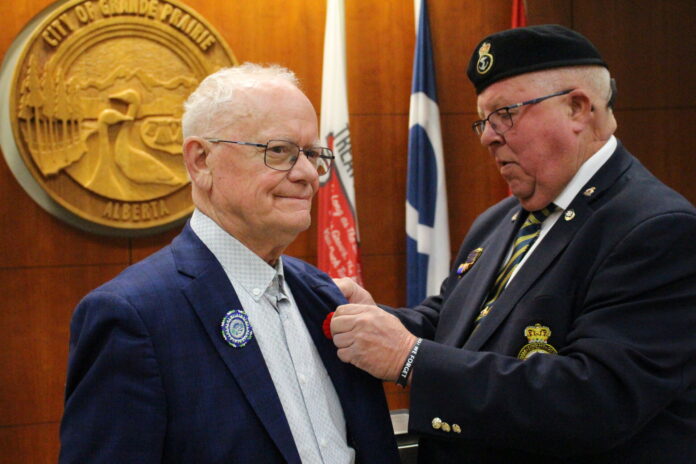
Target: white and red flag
338 248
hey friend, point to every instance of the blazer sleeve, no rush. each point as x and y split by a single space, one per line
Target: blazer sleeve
630 353
422 320
114 407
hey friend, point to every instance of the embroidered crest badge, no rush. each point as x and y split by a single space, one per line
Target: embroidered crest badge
236 329
485 60
537 335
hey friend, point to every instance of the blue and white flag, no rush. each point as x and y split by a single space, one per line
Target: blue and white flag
427 227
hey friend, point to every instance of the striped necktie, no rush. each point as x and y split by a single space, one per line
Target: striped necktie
524 240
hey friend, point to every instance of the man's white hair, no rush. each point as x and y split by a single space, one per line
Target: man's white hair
594 79
211 101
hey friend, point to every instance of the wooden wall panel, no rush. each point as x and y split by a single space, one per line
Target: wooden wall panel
456 28
36 308
47 266
379 50
380 148
267 31
666 147
30 234
550 12
646 45
29 444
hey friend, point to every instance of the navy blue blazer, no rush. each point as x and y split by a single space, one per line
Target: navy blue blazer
615 282
151 379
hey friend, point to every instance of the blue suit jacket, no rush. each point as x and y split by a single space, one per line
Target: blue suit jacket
151 379
616 285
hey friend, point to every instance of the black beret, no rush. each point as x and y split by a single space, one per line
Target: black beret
526 49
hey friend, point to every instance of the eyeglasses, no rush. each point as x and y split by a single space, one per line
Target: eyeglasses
282 155
501 119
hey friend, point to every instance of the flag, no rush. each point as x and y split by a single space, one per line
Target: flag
519 15
427 228
338 251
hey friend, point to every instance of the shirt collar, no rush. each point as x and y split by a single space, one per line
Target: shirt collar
588 169
240 263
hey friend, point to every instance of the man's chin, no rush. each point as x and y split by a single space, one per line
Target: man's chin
297 222
526 199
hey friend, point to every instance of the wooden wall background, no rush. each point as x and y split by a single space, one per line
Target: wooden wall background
47 266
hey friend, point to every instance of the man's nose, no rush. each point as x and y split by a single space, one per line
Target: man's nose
489 135
303 169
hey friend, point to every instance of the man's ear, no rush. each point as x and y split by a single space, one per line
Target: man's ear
581 108
196 161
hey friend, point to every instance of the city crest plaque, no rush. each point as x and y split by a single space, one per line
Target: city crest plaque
92 97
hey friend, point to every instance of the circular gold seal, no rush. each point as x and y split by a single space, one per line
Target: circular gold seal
95 105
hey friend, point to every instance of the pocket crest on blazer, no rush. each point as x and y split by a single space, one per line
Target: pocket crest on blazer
537 336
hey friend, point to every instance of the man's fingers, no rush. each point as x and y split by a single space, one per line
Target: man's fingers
346 317
343 340
353 309
346 285
353 292
344 355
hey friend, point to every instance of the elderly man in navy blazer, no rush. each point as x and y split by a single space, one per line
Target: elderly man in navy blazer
566 330
211 350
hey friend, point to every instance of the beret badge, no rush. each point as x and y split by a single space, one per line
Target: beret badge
485 60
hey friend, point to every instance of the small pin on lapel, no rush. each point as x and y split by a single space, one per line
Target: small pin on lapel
470 260
514 217
589 192
569 215
236 329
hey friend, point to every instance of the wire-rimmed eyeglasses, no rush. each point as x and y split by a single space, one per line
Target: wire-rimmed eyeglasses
282 155
501 119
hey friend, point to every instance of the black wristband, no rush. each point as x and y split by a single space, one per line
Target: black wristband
402 380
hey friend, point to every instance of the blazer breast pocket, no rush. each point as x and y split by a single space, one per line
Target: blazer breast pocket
542 319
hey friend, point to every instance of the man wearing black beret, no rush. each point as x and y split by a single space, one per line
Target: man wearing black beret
566 330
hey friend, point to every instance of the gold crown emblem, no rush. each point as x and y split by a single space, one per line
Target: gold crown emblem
537 333
485 47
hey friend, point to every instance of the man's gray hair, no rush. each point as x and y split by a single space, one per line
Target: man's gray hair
206 105
594 79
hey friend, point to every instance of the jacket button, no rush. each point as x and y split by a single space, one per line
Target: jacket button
437 423
445 427
456 428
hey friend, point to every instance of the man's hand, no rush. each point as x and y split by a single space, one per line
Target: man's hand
371 339
353 292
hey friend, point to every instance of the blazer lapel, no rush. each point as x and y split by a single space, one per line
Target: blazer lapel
465 301
557 239
211 295
553 244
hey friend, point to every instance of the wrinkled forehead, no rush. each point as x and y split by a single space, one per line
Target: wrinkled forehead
270 110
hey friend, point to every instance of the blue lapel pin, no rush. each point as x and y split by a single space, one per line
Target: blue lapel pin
236 329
